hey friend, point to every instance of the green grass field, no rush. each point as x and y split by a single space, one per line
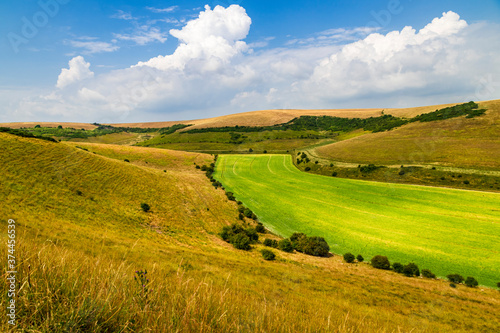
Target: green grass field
445 230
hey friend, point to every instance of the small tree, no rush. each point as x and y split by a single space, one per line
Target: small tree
360 258
285 245
381 262
268 254
455 278
248 213
240 241
271 242
471 282
397 267
411 269
349 257
426 273
145 207
260 228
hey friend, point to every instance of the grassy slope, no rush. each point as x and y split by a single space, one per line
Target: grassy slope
83 249
457 142
445 230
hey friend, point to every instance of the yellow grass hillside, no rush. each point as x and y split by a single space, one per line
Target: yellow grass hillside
472 143
82 237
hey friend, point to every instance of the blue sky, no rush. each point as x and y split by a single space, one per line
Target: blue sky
72 60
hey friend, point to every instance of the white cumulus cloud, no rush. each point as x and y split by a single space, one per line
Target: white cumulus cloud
213 71
212 40
78 70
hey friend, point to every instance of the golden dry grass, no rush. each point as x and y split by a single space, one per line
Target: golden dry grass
84 249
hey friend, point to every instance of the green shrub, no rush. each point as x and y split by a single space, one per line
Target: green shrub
240 241
466 182
471 282
334 174
271 242
453 285
268 254
285 245
78 192
260 228
411 269
247 212
230 196
348 257
360 258
397 267
498 285
126 160
455 278
307 169
426 273
145 207
381 262
316 246
401 173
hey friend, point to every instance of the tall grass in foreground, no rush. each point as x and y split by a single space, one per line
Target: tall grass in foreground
61 291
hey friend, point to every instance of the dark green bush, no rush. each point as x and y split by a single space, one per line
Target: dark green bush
348 257
247 212
230 196
381 262
455 278
240 241
145 207
315 246
360 258
466 182
397 267
334 174
240 237
260 228
271 242
471 282
285 245
411 269
126 160
453 285
268 254
307 169
78 192
426 273
401 173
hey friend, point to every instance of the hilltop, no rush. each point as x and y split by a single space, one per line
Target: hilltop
83 237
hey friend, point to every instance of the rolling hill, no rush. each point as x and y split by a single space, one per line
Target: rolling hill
462 142
82 237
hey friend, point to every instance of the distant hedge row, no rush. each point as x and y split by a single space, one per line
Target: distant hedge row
335 124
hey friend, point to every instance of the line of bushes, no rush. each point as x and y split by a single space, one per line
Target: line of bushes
25 134
411 269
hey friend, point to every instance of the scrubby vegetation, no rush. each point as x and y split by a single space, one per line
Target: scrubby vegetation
239 236
268 254
381 262
25 134
348 257
314 246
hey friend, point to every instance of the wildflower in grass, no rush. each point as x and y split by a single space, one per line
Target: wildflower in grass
141 278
